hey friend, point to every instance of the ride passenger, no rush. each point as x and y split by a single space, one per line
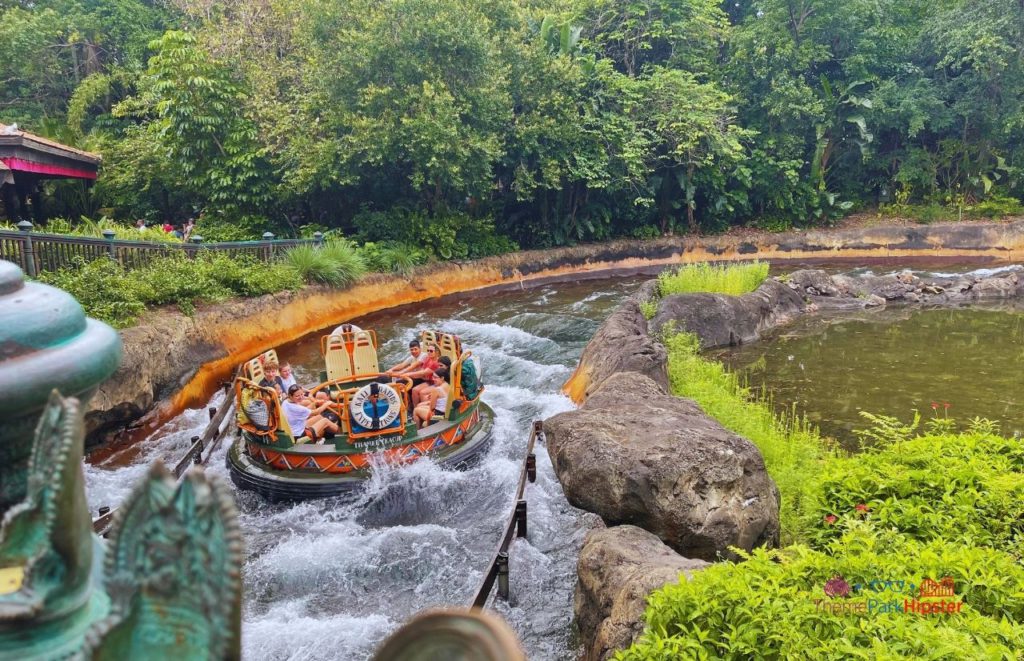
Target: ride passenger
435 399
424 372
287 378
415 358
303 420
420 386
345 328
272 378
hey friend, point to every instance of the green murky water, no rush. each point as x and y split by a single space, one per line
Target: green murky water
892 362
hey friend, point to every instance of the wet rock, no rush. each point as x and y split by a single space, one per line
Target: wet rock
1003 287
618 568
720 320
813 282
634 454
889 287
623 344
874 301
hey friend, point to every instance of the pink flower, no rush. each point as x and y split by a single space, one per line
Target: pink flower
935 406
946 405
831 519
862 508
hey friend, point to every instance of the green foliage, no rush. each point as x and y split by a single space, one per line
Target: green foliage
116 296
765 607
733 279
649 308
962 489
392 257
338 263
793 452
886 429
453 236
904 509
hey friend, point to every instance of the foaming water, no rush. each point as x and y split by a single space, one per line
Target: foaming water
329 579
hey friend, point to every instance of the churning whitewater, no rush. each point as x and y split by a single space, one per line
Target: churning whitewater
327 579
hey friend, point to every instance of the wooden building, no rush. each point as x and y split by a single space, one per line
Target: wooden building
26 160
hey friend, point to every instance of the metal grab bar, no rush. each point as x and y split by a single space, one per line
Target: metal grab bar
497 570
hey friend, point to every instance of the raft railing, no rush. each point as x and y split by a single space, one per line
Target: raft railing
201 448
498 569
36 252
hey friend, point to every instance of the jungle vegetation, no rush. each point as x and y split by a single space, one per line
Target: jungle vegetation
467 125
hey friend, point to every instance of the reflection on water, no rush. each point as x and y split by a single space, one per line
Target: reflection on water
892 362
329 580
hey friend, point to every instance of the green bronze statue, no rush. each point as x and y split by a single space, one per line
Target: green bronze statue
171 586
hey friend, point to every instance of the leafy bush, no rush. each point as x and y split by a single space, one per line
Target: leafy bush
392 257
995 206
111 294
649 308
102 288
793 452
966 489
454 236
765 607
731 279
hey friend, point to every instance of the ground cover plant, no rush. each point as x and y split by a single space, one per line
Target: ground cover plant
732 279
110 293
918 502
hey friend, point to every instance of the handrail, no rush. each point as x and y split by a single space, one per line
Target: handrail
209 441
497 570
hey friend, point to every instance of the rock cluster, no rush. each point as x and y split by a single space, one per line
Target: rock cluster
635 454
618 569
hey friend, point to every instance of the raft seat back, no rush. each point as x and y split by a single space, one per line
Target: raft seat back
427 337
364 354
269 356
337 359
454 391
450 346
255 370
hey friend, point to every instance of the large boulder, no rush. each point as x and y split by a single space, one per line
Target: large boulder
635 454
618 569
621 344
720 320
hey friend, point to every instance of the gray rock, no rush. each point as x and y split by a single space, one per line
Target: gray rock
813 282
721 320
618 568
874 301
635 454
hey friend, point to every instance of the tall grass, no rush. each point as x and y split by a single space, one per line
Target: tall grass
337 263
734 279
794 453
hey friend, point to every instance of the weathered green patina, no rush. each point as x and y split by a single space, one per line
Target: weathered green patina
171 587
46 342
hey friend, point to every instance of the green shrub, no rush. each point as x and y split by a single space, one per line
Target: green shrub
966 489
392 257
102 288
765 607
732 279
649 308
111 294
793 451
312 264
995 206
452 236
645 232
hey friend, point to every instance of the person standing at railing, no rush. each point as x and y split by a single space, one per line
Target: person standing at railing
189 226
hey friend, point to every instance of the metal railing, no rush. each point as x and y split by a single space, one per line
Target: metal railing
36 252
199 452
498 571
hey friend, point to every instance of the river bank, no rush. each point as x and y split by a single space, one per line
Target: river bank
177 360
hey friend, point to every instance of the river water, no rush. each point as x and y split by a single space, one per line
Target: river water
329 580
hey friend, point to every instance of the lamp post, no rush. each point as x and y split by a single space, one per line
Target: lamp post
29 261
109 235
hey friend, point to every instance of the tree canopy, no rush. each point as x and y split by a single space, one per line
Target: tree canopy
546 121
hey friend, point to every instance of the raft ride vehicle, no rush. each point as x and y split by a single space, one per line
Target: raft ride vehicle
374 416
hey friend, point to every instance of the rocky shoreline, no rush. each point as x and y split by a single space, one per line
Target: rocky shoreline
179 360
675 489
